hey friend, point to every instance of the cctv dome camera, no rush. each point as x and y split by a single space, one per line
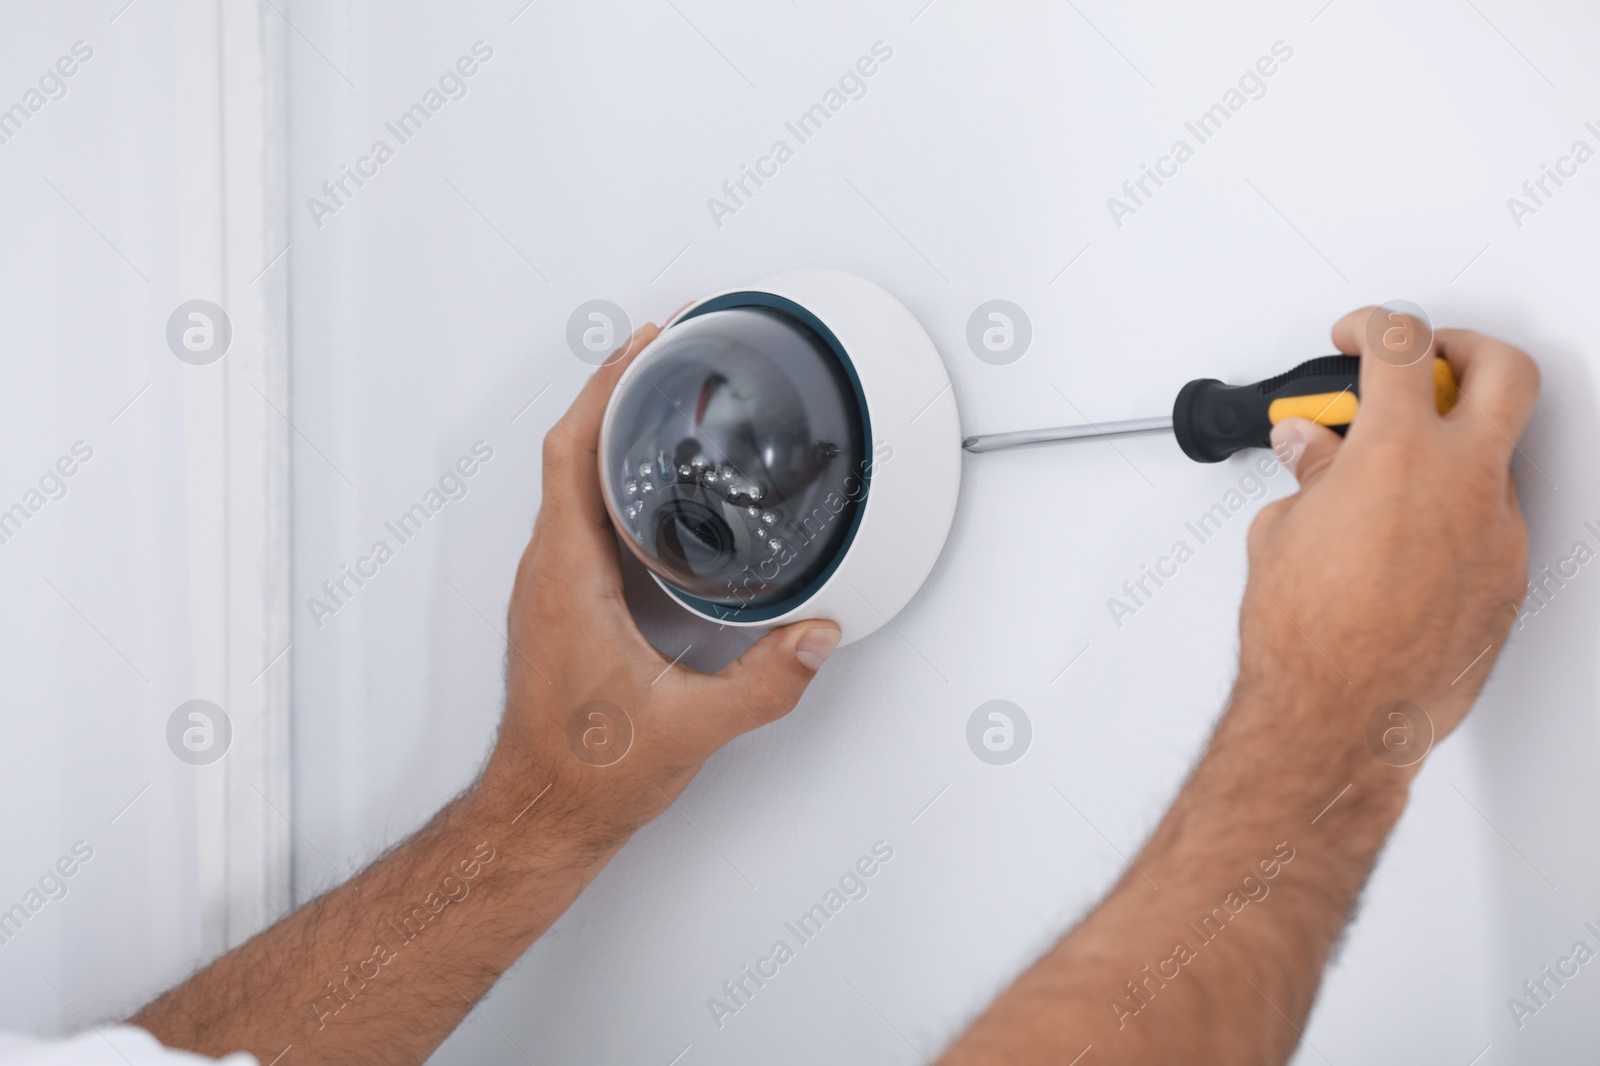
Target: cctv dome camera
784 452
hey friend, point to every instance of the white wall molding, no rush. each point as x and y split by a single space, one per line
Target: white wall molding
256 265
231 104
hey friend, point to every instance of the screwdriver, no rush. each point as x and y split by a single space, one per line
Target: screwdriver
1212 421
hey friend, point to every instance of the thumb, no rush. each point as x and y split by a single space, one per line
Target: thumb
1305 448
767 680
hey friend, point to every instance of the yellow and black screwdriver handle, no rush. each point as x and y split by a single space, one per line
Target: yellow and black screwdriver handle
1212 420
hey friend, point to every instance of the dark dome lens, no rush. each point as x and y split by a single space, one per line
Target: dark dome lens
736 457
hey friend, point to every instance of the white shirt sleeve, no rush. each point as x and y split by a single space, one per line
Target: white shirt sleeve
118 1045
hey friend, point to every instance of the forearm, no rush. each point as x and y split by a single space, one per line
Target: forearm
600 733
1386 579
421 934
1210 948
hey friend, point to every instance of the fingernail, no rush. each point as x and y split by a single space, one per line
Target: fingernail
1289 442
814 648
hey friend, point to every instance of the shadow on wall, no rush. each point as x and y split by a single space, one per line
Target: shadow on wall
673 631
1537 752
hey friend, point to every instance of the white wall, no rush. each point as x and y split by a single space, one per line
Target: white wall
96 627
430 310
150 178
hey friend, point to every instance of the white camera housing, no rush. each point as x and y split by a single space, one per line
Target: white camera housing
810 411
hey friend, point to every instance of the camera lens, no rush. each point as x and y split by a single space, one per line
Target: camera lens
735 456
690 537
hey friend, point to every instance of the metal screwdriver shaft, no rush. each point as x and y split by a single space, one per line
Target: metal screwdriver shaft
994 442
